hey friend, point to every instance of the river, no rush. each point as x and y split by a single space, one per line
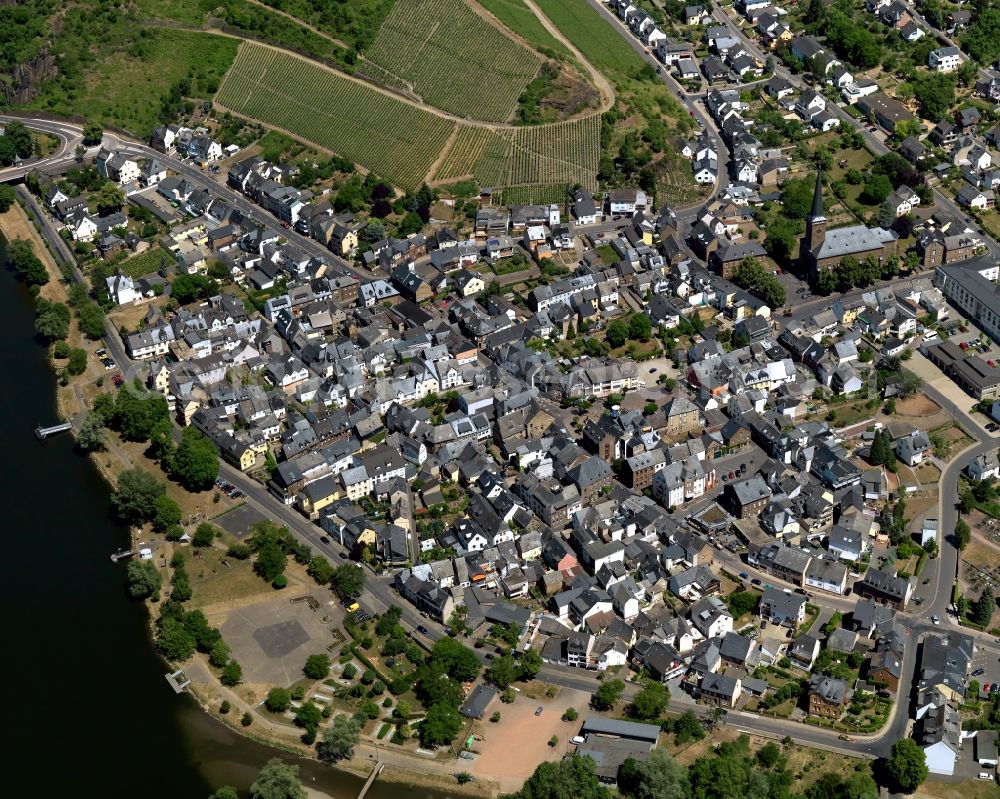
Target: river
87 703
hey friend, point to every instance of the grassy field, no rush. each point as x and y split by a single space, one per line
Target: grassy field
600 44
391 138
520 19
453 58
125 87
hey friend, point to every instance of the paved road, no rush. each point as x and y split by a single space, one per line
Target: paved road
71 135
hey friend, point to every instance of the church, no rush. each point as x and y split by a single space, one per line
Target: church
823 249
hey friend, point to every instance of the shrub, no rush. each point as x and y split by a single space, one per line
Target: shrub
280 582
349 671
225 707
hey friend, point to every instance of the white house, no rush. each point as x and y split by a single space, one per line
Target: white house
945 59
117 167
84 230
984 467
121 290
912 448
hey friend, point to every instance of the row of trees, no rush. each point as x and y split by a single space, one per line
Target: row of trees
752 276
638 327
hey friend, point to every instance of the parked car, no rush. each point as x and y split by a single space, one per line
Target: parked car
118 380
935 619
755 581
744 576
324 539
421 629
992 427
978 672
538 710
964 345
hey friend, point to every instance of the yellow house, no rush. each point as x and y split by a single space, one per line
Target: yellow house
318 494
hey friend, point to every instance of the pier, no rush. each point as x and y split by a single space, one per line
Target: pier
44 432
121 553
371 778
178 681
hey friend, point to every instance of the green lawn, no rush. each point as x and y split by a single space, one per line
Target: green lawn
126 86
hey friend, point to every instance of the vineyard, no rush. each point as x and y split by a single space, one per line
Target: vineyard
384 135
557 154
452 58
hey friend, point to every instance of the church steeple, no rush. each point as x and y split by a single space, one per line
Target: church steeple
816 221
817 209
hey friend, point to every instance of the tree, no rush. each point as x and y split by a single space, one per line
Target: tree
658 777
782 235
27 266
174 641
882 453
188 288
91 436
196 462
749 274
204 535
607 694
935 92
144 579
962 534
640 327
687 727
373 231
650 702
246 719
574 777
982 608
77 363
93 132
278 700
271 561
19 137
278 780
166 513
348 581
110 199
907 765
219 654
225 792
339 739
320 569
617 333
529 665
502 672
797 197
440 726
876 189
317 666
52 320
135 496
7 196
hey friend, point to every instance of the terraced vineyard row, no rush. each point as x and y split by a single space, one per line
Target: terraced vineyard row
455 60
386 136
565 152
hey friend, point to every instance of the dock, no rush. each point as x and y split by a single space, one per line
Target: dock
178 681
43 433
371 778
121 553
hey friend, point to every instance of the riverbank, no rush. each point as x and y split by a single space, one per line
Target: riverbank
322 780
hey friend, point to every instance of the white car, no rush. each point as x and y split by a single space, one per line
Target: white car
935 619
985 775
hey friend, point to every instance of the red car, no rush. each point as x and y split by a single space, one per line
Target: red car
964 345
118 380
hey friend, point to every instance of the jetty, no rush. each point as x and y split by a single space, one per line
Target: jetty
121 553
43 433
371 778
178 681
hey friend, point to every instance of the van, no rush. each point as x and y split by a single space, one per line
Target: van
985 775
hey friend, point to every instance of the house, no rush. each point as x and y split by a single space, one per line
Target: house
121 289
913 447
945 59
826 575
626 202
984 467
976 199
886 110
720 690
584 207
827 696
884 587
782 607
747 498
804 651
117 167
886 664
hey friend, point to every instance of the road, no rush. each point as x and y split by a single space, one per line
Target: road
71 136
697 111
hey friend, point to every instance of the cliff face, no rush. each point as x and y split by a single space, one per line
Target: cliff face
21 84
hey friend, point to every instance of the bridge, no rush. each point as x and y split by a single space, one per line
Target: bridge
44 432
371 778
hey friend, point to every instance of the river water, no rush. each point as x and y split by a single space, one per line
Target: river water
88 711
